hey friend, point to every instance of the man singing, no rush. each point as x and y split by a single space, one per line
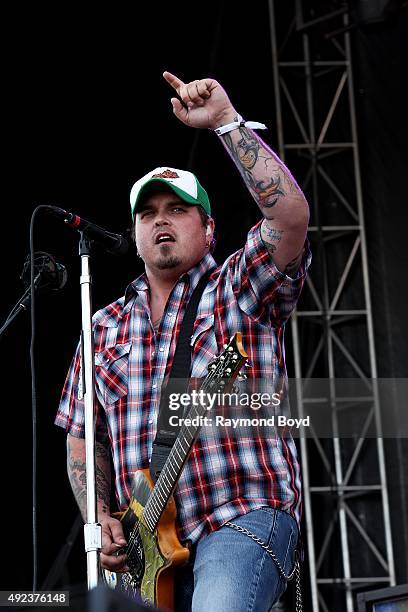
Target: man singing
251 482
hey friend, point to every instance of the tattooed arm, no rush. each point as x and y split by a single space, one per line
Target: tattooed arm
112 532
205 104
77 474
281 201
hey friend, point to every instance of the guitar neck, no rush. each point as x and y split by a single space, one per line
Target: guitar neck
222 373
173 467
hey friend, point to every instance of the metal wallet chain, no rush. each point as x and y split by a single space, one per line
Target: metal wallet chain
295 572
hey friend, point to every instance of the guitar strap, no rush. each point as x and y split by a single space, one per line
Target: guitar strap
180 370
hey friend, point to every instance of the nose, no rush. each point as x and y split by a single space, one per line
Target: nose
161 220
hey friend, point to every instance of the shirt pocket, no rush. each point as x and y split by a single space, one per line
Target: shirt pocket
111 372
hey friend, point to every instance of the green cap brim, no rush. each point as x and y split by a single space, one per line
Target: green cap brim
203 202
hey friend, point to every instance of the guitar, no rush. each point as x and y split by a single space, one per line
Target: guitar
149 523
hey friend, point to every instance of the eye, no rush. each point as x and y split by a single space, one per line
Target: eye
178 209
144 213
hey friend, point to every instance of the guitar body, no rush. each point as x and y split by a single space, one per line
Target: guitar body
151 556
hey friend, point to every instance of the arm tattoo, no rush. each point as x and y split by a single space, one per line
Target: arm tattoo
247 149
270 236
268 181
271 247
268 193
272 233
101 451
77 476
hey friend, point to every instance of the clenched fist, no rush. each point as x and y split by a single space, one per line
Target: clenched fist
204 103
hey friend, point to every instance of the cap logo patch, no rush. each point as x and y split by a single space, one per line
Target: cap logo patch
167 174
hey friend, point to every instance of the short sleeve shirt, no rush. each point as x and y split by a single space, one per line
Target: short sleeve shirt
226 476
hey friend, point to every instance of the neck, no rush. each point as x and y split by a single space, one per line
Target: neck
162 282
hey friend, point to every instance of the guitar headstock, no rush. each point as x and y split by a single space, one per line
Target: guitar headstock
226 366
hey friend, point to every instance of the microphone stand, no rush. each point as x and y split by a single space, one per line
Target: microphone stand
22 305
92 529
51 275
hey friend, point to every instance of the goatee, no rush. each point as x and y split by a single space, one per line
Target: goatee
168 262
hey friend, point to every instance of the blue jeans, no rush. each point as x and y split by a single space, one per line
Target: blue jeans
229 572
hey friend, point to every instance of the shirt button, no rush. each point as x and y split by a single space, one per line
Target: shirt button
152 353
170 314
150 421
154 386
161 349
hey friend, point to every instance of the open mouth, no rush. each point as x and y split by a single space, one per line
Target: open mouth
164 238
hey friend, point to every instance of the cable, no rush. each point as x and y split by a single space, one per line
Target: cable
14 311
34 400
16 306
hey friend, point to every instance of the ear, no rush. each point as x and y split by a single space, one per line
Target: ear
210 227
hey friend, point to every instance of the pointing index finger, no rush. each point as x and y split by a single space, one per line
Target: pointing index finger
172 80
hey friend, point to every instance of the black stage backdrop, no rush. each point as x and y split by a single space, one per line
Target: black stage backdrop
86 113
380 54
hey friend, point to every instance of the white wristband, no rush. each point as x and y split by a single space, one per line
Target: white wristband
254 125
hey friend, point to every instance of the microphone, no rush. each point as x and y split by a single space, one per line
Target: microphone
113 243
48 273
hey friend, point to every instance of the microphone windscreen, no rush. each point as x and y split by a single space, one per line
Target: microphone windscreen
51 273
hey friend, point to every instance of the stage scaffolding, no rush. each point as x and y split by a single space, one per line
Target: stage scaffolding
348 533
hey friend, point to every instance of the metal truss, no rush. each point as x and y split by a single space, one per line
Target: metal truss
348 532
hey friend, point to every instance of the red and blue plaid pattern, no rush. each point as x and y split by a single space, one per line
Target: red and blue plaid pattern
226 475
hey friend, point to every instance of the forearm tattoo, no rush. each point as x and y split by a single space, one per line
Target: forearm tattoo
265 176
77 476
275 191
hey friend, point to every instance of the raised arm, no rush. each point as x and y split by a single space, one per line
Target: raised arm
282 203
205 104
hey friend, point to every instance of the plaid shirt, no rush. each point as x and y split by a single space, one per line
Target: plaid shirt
221 480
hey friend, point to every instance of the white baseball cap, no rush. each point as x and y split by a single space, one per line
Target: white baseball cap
184 184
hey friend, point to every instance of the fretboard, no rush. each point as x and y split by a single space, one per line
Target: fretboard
173 467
